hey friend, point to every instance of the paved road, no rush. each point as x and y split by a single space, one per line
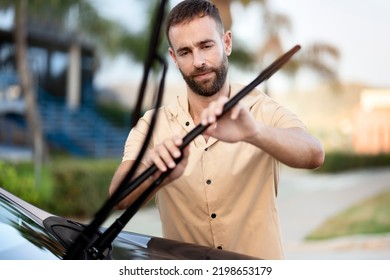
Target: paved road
305 201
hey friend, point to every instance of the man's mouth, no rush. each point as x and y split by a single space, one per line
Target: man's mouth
203 75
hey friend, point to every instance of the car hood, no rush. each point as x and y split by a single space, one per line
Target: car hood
28 232
129 245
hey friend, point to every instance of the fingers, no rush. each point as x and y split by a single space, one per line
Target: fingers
235 111
164 154
214 110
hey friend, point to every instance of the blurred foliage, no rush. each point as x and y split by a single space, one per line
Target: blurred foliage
71 187
341 161
368 217
117 115
78 187
81 185
241 58
82 19
320 58
110 37
20 184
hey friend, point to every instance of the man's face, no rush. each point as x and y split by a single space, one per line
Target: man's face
208 85
200 52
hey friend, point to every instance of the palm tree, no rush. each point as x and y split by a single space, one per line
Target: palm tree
314 57
26 80
224 7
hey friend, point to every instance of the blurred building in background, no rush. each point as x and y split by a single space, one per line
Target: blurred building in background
62 66
372 122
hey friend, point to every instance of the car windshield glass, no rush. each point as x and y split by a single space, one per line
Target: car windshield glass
22 238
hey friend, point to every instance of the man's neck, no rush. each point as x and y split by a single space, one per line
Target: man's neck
197 103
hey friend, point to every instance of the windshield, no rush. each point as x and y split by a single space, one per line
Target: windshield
22 238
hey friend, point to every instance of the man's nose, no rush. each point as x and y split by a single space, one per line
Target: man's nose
199 59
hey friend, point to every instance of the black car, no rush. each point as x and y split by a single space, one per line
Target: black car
27 232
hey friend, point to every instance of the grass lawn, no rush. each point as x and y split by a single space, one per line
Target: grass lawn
371 216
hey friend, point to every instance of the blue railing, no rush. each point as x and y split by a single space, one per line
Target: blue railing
83 131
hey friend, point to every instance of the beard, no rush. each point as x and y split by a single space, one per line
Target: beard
209 87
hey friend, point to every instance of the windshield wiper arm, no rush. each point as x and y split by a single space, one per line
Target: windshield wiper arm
103 242
78 250
195 132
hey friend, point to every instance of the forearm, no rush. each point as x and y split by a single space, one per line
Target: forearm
164 157
117 179
291 146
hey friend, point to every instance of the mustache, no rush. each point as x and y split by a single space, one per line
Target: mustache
202 70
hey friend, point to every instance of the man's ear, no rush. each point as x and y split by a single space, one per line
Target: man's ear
228 42
173 55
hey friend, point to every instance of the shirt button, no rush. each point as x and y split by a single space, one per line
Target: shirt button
206 149
187 123
219 247
208 182
213 215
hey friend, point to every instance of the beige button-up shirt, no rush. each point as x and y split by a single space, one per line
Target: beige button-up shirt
226 197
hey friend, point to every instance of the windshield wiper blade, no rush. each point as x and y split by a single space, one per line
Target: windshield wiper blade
79 248
195 132
103 242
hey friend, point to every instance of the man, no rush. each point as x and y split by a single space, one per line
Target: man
223 192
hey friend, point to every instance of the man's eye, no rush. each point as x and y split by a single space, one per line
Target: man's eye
183 53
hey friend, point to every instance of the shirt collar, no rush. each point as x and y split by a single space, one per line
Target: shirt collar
182 101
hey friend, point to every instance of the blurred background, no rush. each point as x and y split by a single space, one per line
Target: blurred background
70 73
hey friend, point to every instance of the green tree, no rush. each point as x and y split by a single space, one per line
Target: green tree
86 23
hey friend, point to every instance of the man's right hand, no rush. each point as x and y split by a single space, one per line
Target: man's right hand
164 156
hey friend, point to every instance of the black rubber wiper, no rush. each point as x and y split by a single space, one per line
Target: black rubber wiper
87 245
104 241
79 248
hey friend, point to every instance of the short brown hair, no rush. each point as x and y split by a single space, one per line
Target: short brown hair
187 10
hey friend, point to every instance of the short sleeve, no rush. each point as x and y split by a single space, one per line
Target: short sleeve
136 137
272 113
